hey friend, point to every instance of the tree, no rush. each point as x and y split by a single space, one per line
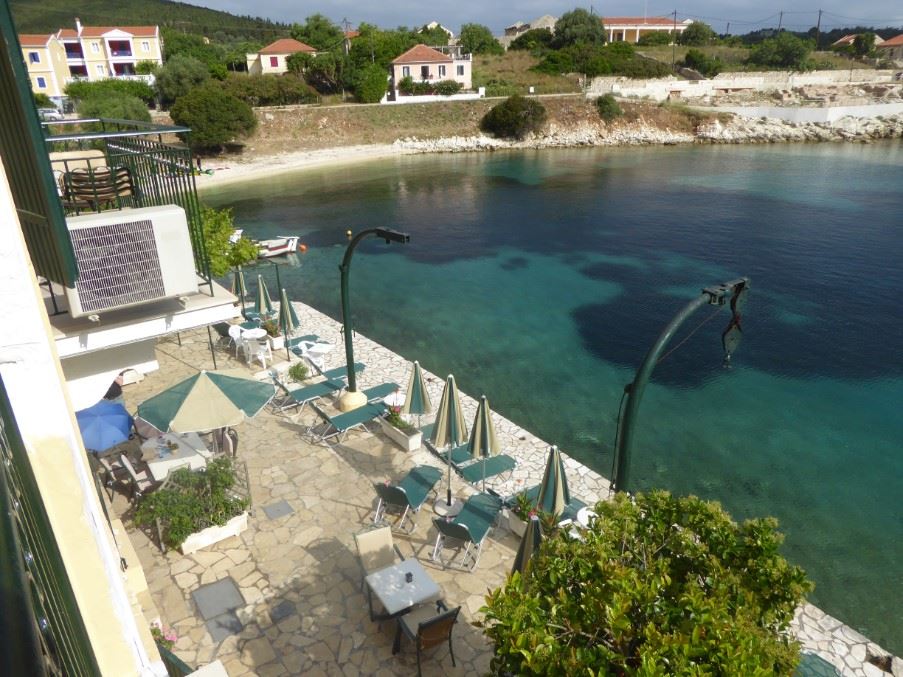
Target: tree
214 116
432 36
782 51
371 83
864 44
84 89
533 39
578 26
217 227
697 34
318 32
324 72
478 39
699 61
41 100
514 118
115 106
178 76
197 47
657 585
655 38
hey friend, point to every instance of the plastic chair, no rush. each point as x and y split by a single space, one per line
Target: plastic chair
235 340
258 349
427 626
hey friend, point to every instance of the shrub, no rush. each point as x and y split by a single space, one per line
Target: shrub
269 90
783 51
655 38
533 39
224 255
298 372
697 34
656 585
514 118
578 27
370 84
83 89
214 116
41 100
179 75
115 106
708 66
478 39
406 85
608 107
448 87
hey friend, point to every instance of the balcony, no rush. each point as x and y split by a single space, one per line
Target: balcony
120 48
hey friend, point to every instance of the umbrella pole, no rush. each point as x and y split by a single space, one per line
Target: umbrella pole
448 493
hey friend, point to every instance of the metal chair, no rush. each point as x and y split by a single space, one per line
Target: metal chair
427 626
140 483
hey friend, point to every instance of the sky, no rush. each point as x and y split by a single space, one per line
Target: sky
743 16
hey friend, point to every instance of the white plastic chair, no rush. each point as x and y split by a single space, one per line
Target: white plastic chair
258 349
235 338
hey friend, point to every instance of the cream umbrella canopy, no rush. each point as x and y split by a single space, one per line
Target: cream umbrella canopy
483 441
417 400
529 546
554 495
449 430
263 305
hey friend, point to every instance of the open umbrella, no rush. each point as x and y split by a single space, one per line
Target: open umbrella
554 495
262 303
206 401
449 430
104 425
483 441
529 546
418 399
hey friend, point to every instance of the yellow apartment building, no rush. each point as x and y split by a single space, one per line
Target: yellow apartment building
48 69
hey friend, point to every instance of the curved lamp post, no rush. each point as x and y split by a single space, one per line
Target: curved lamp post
735 291
353 399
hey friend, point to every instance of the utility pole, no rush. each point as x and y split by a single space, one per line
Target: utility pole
674 42
727 31
818 30
780 21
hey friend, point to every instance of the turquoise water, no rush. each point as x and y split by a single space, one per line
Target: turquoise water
541 279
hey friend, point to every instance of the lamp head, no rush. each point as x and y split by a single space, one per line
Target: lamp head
390 235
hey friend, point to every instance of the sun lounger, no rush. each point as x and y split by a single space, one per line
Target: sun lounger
293 343
343 423
407 496
379 392
469 527
288 398
341 372
570 510
494 465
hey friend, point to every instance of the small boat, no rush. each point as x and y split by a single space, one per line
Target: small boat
236 235
277 246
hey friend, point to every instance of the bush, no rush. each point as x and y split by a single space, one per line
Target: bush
406 85
371 83
578 27
533 39
214 116
697 34
655 38
478 39
514 118
115 106
448 87
781 52
83 89
269 90
708 66
656 585
179 75
608 107
41 100
217 227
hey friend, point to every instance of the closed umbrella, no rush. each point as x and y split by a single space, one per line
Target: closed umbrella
104 425
554 495
239 288
449 430
483 441
262 303
417 400
529 546
209 400
288 318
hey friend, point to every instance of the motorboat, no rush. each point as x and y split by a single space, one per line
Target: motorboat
277 246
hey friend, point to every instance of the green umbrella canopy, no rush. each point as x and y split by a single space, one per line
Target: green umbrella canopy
262 303
450 429
554 494
239 288
288 318
206 401
529 546
418 399
483 441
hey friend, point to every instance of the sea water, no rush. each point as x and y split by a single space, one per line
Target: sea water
541 278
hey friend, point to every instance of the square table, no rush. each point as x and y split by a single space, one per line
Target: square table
395 593
190 451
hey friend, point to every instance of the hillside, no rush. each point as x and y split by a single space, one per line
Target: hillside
40 16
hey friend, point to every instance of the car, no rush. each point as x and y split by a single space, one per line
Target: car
50 114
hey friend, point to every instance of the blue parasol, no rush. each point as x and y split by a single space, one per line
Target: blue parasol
104 425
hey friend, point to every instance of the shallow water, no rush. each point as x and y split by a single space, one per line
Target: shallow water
541 279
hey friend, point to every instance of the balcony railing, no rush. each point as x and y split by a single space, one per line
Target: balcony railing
121 52
101 164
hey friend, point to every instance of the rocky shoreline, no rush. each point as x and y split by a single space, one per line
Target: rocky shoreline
736 130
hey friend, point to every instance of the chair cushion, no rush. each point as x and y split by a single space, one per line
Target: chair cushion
494 465
419 482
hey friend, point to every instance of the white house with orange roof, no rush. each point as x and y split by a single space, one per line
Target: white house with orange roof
427 64
272 59
892 48
632 28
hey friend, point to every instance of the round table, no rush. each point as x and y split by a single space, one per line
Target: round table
396 399
585 516
252 334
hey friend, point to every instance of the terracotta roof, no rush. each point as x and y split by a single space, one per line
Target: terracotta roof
609 21
845 40
352 34
286 46
99 31
423 54
895 41
67 33
31 40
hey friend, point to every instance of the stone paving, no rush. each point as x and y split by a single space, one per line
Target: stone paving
304 609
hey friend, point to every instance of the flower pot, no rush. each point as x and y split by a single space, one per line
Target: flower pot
515 524
215 534
402 439
277 342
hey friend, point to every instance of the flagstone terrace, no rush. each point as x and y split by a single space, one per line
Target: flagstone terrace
297 605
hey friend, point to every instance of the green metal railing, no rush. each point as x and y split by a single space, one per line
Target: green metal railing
175 666
42 628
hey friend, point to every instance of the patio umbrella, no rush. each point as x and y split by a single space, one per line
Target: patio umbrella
262 303
529 546
239 288
288 318
417 400
554 495
449 430
206 401
483 441
104 425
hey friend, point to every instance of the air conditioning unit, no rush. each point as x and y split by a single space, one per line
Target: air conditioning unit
130 257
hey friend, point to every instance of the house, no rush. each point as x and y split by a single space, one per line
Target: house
272 59
520 27
435 24
847 40
48 69
892 48
632 28
428 64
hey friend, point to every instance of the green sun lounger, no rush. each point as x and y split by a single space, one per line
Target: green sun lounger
379 392
341 372
339 426
470 528
407 496
298 397
495 465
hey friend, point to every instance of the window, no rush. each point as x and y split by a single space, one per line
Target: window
405 71
95 47
441 71
145 46
424 72
461 71
42 83
274 61
100 69
34 57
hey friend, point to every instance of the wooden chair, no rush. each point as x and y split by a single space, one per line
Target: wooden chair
111 474
427 626
140 483
376 550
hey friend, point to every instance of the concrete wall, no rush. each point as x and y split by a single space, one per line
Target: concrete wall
818 114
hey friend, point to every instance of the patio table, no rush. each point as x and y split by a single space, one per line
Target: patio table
190 451
395 593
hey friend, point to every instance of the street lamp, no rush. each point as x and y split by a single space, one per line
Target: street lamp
353 399
735 291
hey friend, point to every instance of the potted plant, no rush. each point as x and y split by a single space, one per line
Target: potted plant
274 334
193 510
400 431
298 372
520 513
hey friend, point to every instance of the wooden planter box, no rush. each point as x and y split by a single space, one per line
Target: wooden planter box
215 534
403 440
